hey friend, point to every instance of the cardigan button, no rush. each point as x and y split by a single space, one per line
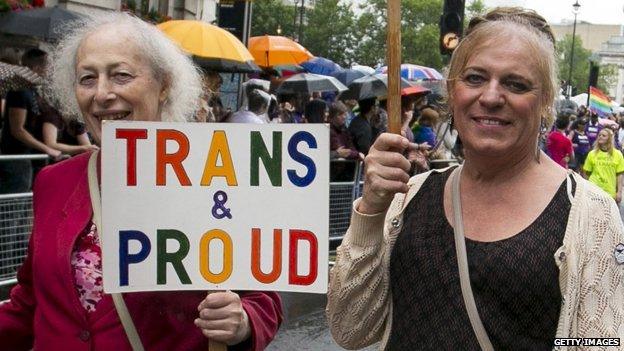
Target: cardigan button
84 335
395 222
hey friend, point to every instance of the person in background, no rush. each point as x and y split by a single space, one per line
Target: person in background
315 111
379 121
604 165
360 127
592 128
113 66
423 129
341 145
352 105
70 137
558 146
620 133
22 131
211 107
258 106
533 250
580 143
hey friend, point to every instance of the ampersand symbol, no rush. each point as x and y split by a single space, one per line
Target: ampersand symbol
218 210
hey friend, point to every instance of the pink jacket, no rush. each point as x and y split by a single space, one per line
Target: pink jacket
44 312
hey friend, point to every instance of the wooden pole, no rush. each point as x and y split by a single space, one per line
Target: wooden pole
393 60
216 346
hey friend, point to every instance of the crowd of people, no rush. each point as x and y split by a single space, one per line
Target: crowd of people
592 146
32 124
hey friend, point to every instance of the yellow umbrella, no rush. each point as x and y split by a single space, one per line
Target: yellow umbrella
270 50
212 47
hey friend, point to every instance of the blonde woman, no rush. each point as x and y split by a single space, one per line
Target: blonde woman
604 165
507 251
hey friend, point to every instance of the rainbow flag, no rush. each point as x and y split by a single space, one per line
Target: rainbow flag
599 102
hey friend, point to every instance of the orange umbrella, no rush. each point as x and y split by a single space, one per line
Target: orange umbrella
271 50
212 47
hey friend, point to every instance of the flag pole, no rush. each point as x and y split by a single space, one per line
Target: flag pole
393 60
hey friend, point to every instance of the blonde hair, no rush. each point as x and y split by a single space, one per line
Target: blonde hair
610 141
496 26
168 63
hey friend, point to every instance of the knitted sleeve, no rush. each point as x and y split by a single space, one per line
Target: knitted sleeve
601 289
358 299
359 307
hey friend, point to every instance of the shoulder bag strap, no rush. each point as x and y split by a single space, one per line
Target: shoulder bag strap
462 263
120 305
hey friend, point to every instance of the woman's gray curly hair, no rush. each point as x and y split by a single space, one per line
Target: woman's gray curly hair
168 62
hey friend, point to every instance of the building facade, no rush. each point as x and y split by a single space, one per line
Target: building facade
592 35
204 10
612 52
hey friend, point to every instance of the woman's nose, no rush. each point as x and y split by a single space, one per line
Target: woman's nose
492 95
104 93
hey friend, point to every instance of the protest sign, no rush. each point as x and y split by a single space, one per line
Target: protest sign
189 206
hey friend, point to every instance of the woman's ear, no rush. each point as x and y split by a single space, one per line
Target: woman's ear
164 91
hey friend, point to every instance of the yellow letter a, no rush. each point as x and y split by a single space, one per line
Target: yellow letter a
219 146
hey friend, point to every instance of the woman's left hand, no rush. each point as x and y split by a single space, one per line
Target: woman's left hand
223 319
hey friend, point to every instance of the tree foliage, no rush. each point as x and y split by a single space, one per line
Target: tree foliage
333 30
330 31
269 15
580 63
580 66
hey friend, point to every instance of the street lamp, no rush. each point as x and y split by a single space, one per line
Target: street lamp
575 9
279 29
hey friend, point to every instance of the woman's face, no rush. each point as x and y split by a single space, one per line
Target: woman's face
114 81
340 120
497 100
603 138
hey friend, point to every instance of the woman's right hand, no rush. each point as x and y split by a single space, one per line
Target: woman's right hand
386 172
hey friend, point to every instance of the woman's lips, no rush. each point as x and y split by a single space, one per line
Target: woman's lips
488 121
111 116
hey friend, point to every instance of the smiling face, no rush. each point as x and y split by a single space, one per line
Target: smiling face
114 81
496 100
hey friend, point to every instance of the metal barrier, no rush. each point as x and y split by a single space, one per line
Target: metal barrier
15 226
16 218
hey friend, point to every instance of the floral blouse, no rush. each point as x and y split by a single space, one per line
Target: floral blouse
86 262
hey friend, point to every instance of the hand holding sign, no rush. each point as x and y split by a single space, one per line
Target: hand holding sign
223 319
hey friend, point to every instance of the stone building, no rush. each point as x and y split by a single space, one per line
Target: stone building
178 9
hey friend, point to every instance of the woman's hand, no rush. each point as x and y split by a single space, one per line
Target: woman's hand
223 319
386 172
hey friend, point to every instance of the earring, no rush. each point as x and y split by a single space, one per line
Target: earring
450 120
538 151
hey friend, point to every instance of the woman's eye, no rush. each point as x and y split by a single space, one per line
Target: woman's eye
123 76
518 87
86 80
474 79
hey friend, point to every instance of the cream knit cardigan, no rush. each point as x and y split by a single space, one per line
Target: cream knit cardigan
359 309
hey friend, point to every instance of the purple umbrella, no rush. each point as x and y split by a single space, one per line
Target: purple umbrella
320 65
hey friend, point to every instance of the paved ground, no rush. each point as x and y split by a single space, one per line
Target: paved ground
305 326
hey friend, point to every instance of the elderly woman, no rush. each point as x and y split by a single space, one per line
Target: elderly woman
115 67
528 251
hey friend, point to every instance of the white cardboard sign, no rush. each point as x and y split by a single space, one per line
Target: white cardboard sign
190 206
